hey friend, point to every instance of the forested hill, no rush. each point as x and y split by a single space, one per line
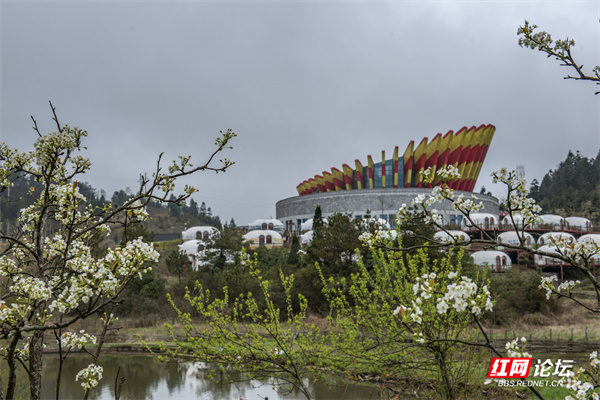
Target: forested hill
572 189
166 218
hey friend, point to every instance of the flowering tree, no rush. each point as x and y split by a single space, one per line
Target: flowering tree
410 317
523 213
559 49
407 315
49 278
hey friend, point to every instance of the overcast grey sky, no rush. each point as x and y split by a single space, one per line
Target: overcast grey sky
306 85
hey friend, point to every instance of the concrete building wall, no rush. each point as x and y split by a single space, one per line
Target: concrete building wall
380 202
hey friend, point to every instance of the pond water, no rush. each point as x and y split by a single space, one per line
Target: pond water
147 378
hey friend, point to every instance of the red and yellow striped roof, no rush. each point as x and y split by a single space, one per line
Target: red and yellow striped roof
466 150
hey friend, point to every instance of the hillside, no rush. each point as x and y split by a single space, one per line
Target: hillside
572 189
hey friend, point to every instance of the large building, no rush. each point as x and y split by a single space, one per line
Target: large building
380 188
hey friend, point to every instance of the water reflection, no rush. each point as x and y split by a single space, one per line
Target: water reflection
150 379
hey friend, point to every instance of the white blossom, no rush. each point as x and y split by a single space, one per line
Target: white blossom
89 376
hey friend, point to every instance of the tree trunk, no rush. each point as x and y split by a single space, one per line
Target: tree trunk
12 370
36 348
446 381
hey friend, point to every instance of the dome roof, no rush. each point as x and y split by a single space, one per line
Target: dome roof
480 219
551 219
448 237
518 221
308 224
547 238
191 246
273 224
264 237
197 232
306 238
546 260
512 238
590 237
579 222
494 259
256 234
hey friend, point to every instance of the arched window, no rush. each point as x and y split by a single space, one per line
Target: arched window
261 240
205 235
504 261
198 235
498 266
271 226
269 239
200 247
528 241
541 241
487 223
263 226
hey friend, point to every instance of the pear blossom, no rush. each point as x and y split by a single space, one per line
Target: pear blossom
89 376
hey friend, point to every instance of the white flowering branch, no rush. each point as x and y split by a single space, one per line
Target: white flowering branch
52 279
559 49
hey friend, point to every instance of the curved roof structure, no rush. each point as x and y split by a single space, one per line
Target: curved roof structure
308 224
192 246
267 238
551 219
580 223
451 236
541 259
269 224
199 232
507 222
494 259
465 149
589 238
548 237
306 237
512 238
256 234
482 220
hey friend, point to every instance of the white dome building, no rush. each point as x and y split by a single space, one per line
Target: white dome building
451 236
547 260
199 233
267 238
512 238
497 261
590 237
266 224
555 222
548 237
579 223
482 220
195 250
507 222
306 238
308 225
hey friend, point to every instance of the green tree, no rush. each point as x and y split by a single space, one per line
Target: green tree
224 248
177 263
572 188
334 246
